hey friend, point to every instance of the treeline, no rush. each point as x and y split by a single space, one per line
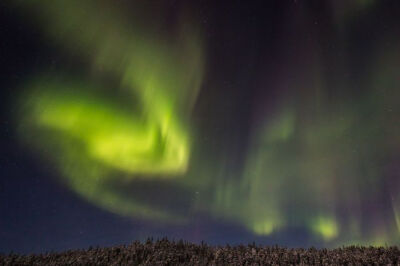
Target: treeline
165 252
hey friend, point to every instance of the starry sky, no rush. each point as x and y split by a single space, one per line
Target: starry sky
276 122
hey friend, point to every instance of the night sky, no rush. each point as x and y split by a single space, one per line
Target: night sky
276 122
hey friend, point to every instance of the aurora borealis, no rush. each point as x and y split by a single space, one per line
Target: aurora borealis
281 120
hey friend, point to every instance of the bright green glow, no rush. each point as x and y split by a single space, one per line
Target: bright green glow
111 135
151 69
95 141
326 227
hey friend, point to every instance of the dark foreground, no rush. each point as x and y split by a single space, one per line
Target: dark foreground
164 252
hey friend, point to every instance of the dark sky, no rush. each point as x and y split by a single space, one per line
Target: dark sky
224 121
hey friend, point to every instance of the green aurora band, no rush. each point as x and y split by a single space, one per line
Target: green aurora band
108 133
95 136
